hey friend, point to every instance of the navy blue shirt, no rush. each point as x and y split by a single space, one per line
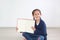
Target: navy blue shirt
40 28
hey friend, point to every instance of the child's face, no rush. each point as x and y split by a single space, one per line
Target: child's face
37 15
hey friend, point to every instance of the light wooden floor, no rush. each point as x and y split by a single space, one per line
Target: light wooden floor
10 34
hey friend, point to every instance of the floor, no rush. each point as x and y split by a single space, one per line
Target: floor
9 33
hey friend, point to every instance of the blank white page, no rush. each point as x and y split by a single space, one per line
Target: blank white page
24 25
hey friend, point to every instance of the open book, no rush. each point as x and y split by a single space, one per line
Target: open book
24 25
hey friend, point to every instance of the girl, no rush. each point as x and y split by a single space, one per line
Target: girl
40 32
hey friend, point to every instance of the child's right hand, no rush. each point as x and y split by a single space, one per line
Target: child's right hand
16 28
33 28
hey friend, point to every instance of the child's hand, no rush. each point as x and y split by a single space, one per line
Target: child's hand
33 28
16 29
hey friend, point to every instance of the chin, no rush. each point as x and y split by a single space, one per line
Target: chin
37 18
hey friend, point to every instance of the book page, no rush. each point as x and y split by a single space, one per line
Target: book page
24 25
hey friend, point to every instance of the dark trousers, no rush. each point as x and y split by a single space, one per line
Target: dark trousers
30 36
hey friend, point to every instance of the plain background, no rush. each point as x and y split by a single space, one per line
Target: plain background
10 10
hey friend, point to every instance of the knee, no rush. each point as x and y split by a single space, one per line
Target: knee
41 38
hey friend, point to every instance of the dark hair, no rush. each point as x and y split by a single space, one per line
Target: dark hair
35 10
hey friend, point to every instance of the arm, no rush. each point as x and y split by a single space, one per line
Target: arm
44 31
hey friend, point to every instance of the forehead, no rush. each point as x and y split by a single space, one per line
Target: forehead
36 12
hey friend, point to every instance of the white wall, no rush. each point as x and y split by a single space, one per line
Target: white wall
10 10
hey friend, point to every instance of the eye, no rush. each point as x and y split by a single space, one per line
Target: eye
35 14
38 13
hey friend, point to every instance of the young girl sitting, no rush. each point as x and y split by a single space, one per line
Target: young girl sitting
40 32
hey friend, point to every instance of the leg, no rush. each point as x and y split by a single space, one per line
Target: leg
27 35
31 36
34 37
41 38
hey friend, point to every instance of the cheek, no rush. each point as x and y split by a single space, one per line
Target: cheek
39 16
36 16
